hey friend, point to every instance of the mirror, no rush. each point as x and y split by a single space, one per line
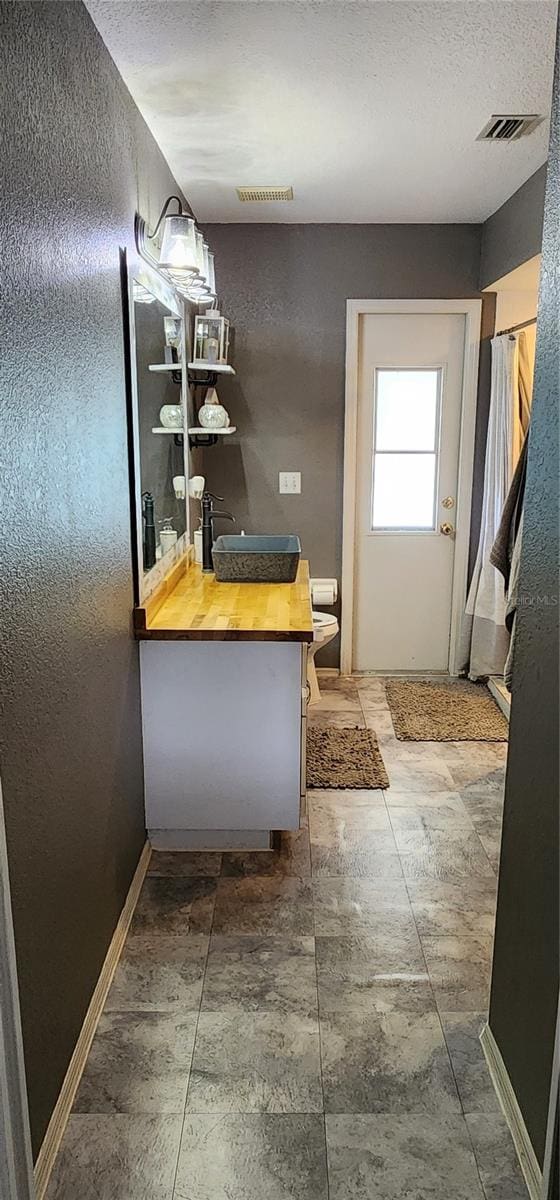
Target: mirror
158 352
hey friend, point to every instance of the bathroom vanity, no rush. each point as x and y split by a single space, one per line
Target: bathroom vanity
224 694
223 665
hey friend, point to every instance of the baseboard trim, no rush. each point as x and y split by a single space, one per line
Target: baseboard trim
63 1106
499 697
508 1100
328 670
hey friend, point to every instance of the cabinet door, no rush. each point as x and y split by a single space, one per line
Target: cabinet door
222 734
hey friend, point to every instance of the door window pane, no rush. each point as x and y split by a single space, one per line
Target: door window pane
404 491
406 409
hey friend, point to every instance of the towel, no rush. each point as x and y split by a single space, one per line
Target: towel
501 554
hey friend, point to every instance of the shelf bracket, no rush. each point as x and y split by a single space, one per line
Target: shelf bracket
201 440
206 381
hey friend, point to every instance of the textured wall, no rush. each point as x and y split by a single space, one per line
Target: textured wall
525 975
285 289
513 234
77 160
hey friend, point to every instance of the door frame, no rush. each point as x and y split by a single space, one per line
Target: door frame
16 1169
472 311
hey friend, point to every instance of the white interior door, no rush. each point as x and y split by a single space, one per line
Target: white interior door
410 383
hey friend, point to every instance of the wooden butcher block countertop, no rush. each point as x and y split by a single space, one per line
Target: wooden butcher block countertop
192 606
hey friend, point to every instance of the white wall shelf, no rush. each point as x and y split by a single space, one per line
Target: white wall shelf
199 429
165 367
213 368
164 429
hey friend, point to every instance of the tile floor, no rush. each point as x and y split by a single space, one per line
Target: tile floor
304 1025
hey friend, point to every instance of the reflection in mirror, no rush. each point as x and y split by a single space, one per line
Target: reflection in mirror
159 342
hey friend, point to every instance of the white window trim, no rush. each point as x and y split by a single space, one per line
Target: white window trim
471 310
381 530
16 1171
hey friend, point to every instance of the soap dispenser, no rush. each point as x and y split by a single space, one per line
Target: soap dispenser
148 531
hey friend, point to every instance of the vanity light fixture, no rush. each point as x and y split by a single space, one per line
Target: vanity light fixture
183 259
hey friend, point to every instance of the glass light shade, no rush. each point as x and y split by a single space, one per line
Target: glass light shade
179 251
200 256
211 273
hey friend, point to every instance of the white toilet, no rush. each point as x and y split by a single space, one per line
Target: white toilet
325 628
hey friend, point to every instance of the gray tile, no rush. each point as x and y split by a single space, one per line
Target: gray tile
483 808
343 685
447 856
501 1175
332 814
261 974
174 906
419 812
477 771
379 720
372 704
159 973
337 693
116 1157
185 862
492 847
400 1158
343 717
489 754
265 906
454 908
370 685
138 1063
360 907
292 858
460 970
391 1063
412 753
462 1034
245 1157
427 773
374 974
367 855
259 1062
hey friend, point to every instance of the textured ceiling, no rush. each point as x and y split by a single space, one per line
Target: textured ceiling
370 110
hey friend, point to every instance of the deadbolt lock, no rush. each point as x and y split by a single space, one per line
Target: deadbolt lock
448 502
447 529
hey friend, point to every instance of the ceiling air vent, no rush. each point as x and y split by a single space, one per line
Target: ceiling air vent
504 127
264 193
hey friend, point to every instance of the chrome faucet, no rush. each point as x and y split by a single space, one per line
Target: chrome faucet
209 514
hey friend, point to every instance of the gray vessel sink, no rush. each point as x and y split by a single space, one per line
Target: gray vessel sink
262 558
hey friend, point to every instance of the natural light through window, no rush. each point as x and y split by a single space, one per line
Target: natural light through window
405 448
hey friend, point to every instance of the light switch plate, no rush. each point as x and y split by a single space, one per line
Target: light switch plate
290 482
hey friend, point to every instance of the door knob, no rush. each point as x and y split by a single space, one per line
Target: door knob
446 528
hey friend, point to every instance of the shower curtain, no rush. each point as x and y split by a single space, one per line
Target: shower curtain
485 637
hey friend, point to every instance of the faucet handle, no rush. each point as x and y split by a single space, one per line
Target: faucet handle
213 497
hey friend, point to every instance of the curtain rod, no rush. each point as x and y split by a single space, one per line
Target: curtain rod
514 328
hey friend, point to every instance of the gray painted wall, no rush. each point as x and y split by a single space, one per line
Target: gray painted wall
525 974
513 234
77 161
285 288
